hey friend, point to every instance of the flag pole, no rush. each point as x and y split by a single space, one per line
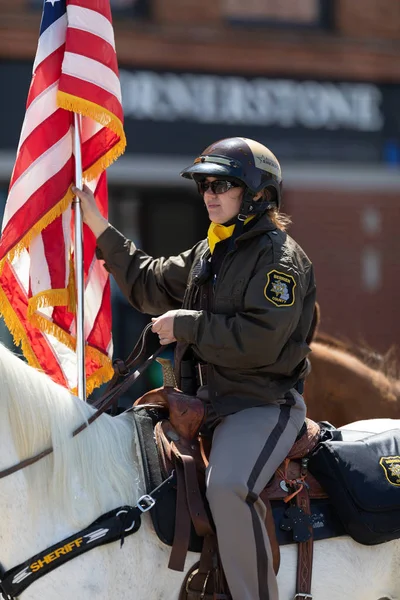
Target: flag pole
78 253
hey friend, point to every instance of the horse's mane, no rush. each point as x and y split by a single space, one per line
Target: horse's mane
96 466
387 364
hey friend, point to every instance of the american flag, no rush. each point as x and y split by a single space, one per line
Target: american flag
75 70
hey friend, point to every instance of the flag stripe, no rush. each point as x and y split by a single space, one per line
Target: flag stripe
35 176
39 280
98 336
40 139
101 6
53 244
51 40
33 211
105 139
89 129
46 75
95 48
91 71
94 294
90 21
39 110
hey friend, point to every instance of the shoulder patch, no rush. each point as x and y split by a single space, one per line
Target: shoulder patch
280 288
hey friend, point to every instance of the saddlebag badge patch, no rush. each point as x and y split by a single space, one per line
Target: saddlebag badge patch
391 467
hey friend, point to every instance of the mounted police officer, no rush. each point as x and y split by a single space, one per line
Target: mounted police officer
239 304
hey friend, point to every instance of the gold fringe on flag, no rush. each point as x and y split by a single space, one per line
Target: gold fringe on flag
103 374
17 331
105 118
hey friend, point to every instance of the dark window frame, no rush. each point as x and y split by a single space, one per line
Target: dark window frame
140 9
324 22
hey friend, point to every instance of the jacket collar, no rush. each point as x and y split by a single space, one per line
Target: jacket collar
260 226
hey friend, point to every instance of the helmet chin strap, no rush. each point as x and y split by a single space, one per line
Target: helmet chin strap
248 207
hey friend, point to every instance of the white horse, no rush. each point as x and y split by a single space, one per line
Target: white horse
100 469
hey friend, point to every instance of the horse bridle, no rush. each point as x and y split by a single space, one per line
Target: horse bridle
109 398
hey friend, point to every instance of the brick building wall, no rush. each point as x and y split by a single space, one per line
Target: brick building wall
352 239
363 43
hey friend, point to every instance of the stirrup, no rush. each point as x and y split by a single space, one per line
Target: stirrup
302 596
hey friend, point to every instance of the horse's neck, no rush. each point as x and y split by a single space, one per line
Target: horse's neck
116 573
14 500
31 522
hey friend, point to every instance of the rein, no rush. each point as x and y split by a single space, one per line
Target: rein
110 396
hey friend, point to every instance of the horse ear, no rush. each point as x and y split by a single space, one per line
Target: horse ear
313 331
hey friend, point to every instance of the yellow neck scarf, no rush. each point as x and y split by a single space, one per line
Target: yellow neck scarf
217 233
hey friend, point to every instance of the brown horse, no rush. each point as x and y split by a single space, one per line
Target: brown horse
348 383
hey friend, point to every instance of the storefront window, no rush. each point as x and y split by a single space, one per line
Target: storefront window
293 13
131 8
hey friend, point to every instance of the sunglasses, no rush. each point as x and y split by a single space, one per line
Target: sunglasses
219 186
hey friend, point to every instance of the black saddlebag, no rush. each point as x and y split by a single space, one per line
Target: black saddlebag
362 479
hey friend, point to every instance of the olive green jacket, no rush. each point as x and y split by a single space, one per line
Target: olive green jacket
253 336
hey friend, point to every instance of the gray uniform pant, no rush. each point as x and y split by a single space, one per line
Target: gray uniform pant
247 448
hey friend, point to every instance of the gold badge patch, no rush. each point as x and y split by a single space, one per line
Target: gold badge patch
280 288
391 467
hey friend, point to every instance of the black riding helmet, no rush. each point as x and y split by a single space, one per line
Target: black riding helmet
246 161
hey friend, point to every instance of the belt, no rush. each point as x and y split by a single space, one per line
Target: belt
201 373
201 377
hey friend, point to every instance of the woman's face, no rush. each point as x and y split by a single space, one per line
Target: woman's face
222 207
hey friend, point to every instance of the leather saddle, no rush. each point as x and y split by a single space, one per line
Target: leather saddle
181 448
